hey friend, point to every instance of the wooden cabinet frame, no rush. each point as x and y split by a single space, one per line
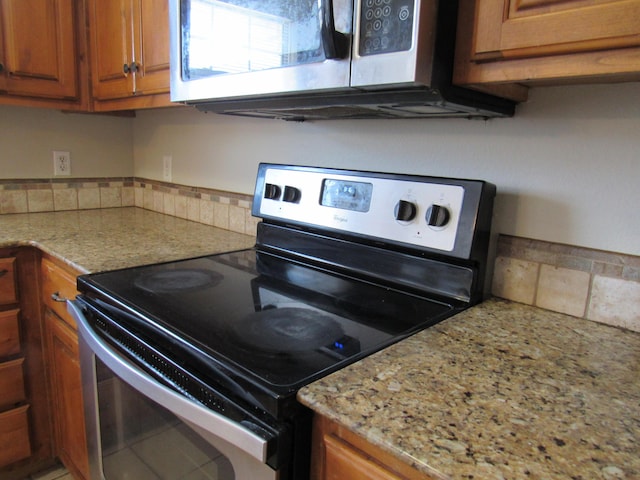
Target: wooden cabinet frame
43 54
546 42
58 283
129 44
337 453
35 410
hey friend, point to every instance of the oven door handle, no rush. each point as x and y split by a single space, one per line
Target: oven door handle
191 412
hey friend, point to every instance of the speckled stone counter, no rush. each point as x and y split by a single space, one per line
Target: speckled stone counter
98 240
501 391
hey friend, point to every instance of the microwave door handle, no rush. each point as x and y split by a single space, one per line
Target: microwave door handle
334 43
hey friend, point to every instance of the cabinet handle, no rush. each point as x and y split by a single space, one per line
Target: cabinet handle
3 272
56 297
1 66
133 67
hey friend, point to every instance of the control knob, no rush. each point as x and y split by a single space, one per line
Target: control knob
405 211
437 216
291 194
271 191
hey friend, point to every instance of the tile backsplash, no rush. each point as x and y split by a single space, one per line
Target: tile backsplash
22 196
227 210
586 283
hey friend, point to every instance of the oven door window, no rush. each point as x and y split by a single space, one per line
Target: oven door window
142 440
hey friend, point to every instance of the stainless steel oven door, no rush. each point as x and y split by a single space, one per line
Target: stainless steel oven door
138 428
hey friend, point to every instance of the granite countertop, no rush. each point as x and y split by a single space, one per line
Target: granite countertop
107 239
500 391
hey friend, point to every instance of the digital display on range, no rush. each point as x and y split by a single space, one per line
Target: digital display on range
346 195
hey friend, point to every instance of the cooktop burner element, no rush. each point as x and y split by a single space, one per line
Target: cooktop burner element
177 280
288 329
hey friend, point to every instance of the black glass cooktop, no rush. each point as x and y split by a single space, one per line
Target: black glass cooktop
270 320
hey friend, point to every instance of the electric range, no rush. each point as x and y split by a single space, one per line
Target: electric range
345 264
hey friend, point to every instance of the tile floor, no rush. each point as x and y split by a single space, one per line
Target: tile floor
55 473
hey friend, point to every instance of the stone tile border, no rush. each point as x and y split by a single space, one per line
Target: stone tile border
46 195
591 284
227 210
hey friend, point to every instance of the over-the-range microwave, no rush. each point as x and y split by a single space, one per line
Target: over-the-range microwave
319 59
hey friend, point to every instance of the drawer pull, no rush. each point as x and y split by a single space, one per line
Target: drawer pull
56 297
3 272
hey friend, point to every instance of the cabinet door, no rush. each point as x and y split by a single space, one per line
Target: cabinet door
67 395
342 461
37 48
151 46
338 453
533 28
111 43
502 44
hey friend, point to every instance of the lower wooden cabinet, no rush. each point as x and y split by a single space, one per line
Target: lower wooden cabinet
26 443
15 444
339 454
65 381
66 384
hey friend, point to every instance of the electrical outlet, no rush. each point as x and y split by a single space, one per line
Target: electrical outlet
61 163
166 168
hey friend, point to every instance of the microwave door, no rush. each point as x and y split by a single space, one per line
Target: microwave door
239 48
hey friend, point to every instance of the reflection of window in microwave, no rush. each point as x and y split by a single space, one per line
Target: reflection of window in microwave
240 36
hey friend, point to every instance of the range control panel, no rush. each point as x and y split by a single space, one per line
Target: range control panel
424 212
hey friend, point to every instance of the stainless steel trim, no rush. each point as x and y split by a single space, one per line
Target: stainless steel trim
206 420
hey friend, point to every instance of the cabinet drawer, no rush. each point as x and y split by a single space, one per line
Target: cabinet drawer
11 383
60 284
8 290
9 333
14 435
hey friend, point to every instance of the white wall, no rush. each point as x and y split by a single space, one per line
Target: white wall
567 166
100 145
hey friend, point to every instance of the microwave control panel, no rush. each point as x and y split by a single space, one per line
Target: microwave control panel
385 26
424 212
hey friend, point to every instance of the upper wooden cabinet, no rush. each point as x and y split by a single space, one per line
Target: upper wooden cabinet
129 44
40 57
547 41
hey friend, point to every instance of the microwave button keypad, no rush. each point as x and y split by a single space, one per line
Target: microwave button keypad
385 26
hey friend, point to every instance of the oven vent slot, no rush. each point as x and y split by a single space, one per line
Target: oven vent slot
162 368
125 341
